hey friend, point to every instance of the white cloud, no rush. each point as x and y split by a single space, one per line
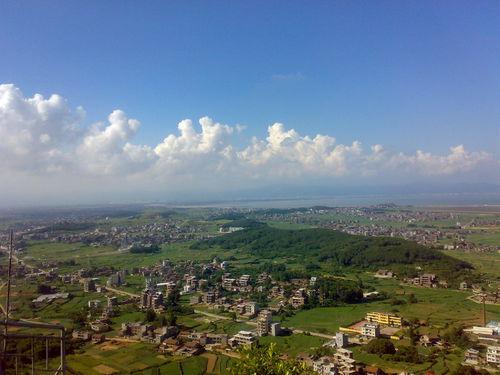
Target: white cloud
45 139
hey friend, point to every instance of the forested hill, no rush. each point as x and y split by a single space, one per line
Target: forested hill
324 245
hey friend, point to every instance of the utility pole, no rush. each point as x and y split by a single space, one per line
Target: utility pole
9 273
7 303
484 310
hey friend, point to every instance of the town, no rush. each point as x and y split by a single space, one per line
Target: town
191 308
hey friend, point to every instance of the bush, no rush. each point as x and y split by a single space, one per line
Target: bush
380 346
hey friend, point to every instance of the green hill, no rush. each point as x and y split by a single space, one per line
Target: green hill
328 246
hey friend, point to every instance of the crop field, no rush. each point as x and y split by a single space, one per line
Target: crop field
88 256
127 358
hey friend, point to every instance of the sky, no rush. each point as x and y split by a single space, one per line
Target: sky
157 100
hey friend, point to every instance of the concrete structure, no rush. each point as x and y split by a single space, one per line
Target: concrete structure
343 358
89 285
242 338
384 319
264 323
275 329
370 330
471 356
493 355
341 340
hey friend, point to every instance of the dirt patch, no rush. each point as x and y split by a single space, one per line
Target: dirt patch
112 345
211 361
103 369
140 366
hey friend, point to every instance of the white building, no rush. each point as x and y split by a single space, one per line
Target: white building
242 338
370 330
493 355
264 322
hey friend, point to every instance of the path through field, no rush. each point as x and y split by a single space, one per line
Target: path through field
211 362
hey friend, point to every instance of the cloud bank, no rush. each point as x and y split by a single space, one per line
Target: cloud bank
47 149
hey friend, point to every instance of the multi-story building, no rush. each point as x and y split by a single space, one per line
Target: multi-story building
116 279
471 356
345 362
244 280
493 355
299 298
341 340
151 299
89 285
384 319
251 308
242 338
209 297
264 323
370 330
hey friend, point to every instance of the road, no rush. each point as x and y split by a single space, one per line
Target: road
317 334
123 293
222 317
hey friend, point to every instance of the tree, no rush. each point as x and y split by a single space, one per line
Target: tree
412 298
457 336
265 360
233 316
171 318
150 316
380 346
173 298
407 354
468 370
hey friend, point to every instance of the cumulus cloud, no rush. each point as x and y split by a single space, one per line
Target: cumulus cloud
45 139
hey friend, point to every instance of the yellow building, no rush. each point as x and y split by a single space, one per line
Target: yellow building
384 318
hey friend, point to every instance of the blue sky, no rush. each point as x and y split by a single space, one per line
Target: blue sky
410 75
419 74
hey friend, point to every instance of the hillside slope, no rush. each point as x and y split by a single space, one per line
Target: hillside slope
324 245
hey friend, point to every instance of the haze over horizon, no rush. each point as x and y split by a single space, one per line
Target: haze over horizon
194 101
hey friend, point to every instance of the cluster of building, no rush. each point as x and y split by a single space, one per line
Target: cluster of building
487 337
375 324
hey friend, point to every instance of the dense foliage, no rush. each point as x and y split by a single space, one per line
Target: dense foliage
265 360
380 346
329 292
318 246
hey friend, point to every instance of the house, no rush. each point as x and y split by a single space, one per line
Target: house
471 356
81 335
493 355
426 340
190 348
384 319
98 338
99 327
169 346
370 330
276 329
242 338
325 366
341 340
